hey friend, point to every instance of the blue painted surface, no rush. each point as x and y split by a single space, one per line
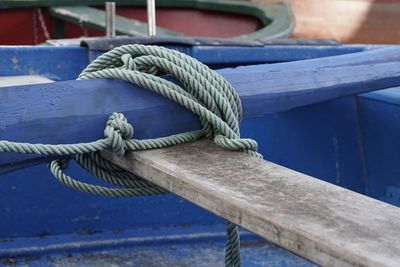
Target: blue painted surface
167 246
55 63
392 195
320 140
65 63
54 209
230 56
380 128
346 59
348 141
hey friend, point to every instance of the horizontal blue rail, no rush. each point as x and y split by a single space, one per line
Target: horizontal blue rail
63 63
75 111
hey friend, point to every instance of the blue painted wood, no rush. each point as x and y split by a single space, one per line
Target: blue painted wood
229 56
55 63
65 63
321 140
195 245
75 111
372 55
35 204
379 114
272 53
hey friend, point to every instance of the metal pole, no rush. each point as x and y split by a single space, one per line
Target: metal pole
151 17
110 19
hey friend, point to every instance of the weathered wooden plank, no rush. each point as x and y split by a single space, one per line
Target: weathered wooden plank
6 81
322 222
55 113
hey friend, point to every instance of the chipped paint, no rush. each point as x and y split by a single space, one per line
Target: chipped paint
15 62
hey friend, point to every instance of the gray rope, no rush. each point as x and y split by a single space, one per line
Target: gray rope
206 94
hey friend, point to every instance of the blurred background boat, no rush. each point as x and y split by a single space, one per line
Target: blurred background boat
348 21
33 22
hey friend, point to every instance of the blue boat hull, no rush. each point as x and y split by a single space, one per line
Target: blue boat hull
351 142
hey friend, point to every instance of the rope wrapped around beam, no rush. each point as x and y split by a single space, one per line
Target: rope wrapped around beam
203 91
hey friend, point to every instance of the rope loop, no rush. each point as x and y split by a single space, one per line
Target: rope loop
238 144
62 163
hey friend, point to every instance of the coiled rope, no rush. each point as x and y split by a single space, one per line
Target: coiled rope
206 94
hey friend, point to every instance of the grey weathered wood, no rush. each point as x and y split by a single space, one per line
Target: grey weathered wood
322 222
6 81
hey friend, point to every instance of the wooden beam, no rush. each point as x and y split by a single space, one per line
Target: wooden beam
324 223
55 114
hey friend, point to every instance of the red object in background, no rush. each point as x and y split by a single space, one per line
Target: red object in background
22 27
17 26
193 22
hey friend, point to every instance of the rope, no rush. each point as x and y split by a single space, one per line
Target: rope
207 94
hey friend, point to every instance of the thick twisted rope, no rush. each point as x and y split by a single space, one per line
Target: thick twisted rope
206 94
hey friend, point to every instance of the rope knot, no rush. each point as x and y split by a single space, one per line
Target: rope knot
129 62
141 64
118 131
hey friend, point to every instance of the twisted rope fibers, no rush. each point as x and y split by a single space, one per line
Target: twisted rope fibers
207 94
